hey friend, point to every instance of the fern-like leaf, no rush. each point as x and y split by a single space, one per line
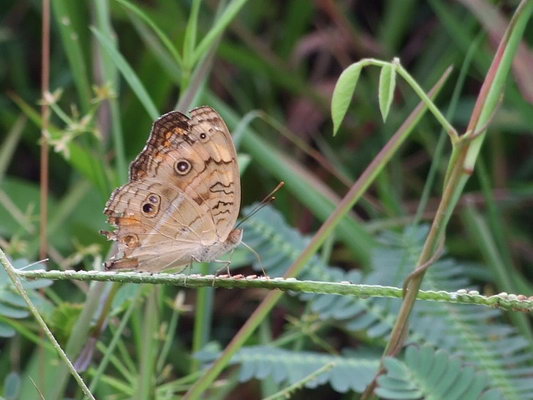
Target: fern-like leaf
426 374
349 372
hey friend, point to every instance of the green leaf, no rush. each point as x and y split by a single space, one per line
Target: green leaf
12 386
395 368
491 395
89 163
6 331
387 84
342 94
11 312
189 41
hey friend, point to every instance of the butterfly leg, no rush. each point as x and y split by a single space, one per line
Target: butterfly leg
188 269
225 264
256 254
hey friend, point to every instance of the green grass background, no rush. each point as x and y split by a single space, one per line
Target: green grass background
117 65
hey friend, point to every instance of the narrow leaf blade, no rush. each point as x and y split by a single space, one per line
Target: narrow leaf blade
127 72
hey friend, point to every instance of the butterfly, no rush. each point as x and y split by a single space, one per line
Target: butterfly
183 196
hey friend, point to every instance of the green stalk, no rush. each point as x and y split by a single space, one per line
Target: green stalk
219 26
65 14
189 44
9 144
127 72
289 390
202 318
438 154
146 384
503 301
170 334
114 341
110 76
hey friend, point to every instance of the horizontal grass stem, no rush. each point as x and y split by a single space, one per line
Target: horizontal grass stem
503 300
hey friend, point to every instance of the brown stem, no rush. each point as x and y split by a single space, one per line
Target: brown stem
427 257
435 236
45 115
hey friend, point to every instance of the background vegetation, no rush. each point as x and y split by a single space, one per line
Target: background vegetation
269 68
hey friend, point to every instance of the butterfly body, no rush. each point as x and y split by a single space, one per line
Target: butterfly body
183 196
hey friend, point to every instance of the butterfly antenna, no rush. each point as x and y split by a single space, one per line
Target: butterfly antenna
256 255
266 201
44 260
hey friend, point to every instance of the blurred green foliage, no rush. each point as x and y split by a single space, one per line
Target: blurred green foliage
117 65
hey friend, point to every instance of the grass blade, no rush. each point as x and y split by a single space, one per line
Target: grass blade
128 73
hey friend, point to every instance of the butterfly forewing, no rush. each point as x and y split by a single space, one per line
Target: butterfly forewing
223 189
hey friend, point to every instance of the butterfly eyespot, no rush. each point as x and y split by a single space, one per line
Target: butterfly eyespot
203 136
131 241
150 205
182 167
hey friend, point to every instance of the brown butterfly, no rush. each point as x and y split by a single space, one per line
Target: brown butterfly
182 199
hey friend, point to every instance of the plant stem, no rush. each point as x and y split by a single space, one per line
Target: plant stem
45 116
502 301
202 319
146 382
435 235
